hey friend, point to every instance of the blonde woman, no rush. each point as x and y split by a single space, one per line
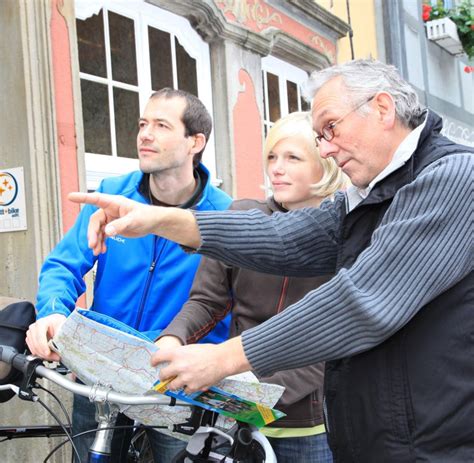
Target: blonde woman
299 177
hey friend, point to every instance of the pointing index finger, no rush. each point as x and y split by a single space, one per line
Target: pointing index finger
100 200
79 197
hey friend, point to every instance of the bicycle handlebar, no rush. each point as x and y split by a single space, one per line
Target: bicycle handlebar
96 393
33 367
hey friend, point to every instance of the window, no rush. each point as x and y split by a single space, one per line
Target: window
127 50
281 90
281 93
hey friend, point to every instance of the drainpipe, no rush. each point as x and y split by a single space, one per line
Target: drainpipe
351 33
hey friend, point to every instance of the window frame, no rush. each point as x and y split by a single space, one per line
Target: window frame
285 72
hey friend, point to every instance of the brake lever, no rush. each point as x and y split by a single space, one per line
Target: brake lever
28 367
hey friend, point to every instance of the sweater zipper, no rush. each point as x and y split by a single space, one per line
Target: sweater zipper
325 415
284 289
151 270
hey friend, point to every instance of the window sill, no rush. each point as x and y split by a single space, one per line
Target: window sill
444 33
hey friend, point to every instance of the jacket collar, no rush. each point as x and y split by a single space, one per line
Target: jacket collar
200 172
274 206
389 186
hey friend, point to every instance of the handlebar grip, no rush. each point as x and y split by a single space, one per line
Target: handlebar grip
6 357
21 362
18 361
7 354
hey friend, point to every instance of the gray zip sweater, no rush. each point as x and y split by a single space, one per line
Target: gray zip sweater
422 247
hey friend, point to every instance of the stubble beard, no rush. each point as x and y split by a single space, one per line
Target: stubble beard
157 167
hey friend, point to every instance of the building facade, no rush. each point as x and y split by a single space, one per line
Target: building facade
438 74
79 74
362 41
75 76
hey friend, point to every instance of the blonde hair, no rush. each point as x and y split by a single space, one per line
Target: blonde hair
299 124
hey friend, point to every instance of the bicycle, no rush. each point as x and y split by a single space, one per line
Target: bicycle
139 450
208 444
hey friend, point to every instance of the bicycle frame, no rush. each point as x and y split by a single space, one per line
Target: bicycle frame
108 401
25 432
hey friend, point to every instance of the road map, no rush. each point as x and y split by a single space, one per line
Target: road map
99 349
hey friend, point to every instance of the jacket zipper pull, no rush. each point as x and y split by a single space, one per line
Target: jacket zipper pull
152 266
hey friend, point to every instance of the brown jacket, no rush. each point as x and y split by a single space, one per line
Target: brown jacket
253 298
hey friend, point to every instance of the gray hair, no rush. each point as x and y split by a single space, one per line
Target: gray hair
363 78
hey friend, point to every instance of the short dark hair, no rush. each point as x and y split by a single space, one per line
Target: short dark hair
196 117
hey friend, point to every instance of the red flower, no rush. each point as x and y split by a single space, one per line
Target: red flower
426 12
472 27
468 69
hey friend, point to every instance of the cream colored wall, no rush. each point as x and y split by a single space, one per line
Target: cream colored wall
363 26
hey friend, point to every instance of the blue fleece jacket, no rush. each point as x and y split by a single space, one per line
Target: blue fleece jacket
142 282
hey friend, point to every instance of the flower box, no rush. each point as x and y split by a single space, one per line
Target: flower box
445 33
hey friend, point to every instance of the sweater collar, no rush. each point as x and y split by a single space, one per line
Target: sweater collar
387 187
402 154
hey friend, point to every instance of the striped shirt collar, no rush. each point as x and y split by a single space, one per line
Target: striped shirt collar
404 152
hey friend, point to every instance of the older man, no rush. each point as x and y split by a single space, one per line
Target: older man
395 324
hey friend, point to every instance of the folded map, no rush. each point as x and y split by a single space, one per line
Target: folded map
101 350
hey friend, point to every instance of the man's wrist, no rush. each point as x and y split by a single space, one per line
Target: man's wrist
43 313
178 225
233 357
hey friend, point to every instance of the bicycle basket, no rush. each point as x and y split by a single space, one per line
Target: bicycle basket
14 321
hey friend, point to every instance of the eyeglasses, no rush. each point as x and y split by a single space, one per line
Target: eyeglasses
327 132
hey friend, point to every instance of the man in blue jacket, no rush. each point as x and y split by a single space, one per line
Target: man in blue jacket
141 282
